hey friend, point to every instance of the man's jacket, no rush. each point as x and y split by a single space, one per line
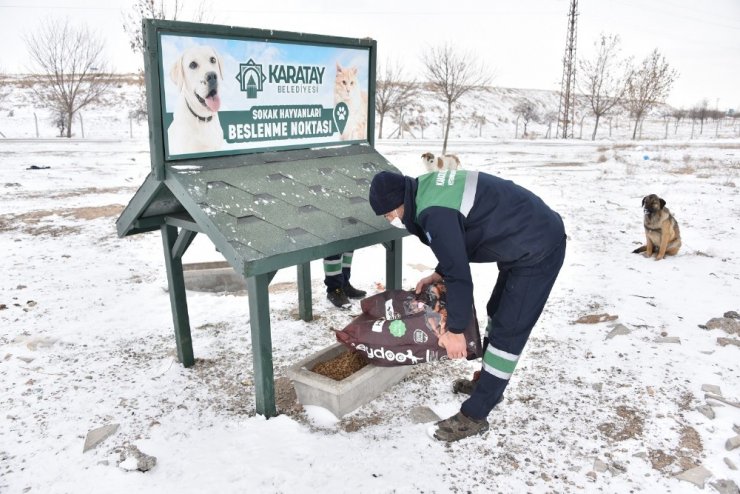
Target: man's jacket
468 216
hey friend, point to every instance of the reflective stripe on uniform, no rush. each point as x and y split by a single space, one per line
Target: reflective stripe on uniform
347 259
332 267
499 363
468 198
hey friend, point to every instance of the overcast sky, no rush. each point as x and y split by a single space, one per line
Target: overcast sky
522 41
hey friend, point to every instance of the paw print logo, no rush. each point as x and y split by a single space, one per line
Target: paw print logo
341 114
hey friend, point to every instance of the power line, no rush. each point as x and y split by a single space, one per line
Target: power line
567 107
55 7
670 13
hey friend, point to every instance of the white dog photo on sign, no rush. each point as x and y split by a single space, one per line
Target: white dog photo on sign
195 127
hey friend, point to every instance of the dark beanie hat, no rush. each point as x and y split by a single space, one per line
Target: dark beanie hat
387 192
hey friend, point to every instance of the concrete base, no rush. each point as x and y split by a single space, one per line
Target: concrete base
213 277
341 397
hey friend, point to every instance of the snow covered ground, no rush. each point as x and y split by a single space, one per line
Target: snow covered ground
86 340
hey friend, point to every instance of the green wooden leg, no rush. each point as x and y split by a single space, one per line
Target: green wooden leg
178 300
259 316
305 309
393 264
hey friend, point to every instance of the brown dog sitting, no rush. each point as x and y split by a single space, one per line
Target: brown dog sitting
661 229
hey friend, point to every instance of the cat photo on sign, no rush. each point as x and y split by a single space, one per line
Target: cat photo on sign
347 90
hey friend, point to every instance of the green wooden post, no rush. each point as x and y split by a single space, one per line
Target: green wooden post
259 317
305 309
393 264
178 299
153 97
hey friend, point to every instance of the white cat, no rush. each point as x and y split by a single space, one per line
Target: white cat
347 90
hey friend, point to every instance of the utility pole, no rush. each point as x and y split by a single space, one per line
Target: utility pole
567 107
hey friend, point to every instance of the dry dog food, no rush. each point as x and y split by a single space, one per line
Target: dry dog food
342 366
398 327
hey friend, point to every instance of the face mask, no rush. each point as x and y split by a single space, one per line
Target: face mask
397 223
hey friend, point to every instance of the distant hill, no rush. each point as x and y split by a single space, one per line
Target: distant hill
483 113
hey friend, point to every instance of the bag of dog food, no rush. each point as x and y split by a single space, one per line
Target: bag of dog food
398 327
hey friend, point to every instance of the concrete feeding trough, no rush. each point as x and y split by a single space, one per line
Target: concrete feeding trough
341 397
213 277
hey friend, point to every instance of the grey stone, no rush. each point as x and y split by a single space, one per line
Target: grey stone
714 403
706 410
145 462
728 341
97 436
736 428
599 466
616 468
711 388
619 329
730 464
423 415
732 443
697 476
724 400
725 486
668 339
597 387
136 460
726 324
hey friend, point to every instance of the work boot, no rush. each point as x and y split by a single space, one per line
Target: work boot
338 298
459 427
353 292
466 386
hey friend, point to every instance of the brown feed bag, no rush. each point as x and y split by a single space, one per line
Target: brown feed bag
398 327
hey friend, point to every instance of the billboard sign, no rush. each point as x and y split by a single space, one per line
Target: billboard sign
230 95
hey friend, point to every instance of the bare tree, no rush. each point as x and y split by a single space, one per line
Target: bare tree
422 123
4 84
527 111
452 74
71 71
154 9
603 80
157 9
392 93
649 85
678 115
700 112
548 118
480 120
4 91
717 115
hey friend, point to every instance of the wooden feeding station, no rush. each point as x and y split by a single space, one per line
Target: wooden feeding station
281 182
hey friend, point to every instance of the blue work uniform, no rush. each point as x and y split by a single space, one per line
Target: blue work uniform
469 217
